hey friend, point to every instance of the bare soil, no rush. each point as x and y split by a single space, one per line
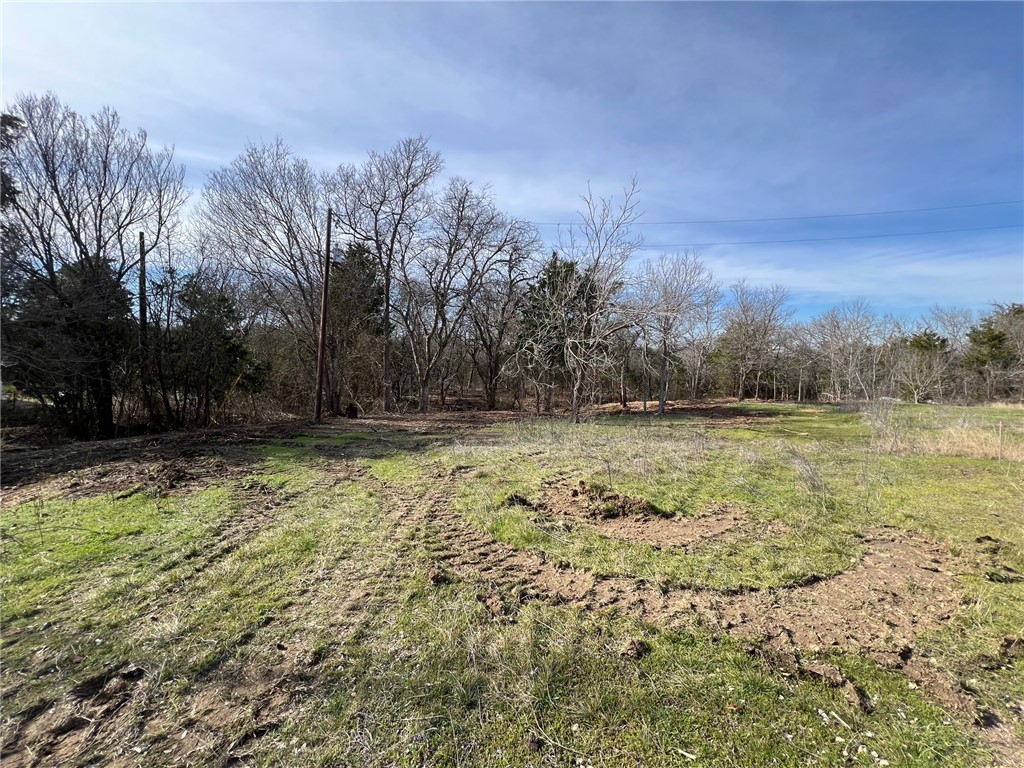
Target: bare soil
626 518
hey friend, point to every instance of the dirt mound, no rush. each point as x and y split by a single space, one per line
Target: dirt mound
626 518
903 585
148 472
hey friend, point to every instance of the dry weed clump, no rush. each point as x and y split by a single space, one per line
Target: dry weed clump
966 437
970 442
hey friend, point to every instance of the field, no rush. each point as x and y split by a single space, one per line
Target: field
728 585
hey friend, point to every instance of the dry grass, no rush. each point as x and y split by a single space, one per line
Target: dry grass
969 442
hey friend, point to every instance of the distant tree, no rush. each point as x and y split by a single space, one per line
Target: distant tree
846 337
440 280
11 127
996 351
78 193
553 304
200 355
265 216
600 246
680 290
384 204
753 334
494 311
954 324
355 328
922 361
67 342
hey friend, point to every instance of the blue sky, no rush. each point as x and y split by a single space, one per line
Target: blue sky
722 111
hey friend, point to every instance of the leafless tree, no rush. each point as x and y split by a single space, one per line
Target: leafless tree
266 215
384 204
495 307
600 246
86 187
922 359
441 277
680 289
954 324
752 338
847 337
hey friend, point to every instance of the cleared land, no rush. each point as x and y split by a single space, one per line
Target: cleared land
727 585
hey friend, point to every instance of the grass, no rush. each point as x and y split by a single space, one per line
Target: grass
437 683
296 599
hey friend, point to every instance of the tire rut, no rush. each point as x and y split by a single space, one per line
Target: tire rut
902 585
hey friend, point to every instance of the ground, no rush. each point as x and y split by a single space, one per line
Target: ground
726 585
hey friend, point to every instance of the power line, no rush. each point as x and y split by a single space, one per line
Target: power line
798 218
822 239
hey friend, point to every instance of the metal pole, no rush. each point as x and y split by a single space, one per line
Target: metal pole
322 347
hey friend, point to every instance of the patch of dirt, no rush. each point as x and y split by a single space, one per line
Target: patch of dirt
903 585
56 732
715 410
625 518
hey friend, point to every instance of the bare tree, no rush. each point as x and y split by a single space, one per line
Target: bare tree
266 215
384 204
600 246
494 310
954 324
441 277
86 187
846 337
752 336
680 289
921 363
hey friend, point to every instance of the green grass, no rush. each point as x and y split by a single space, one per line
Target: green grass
205 589
682 471
436 682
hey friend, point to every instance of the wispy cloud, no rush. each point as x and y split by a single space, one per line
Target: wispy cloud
721 110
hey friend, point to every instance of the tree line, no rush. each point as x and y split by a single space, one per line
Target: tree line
123 306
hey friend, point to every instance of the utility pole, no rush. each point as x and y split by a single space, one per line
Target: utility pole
143 333
322 346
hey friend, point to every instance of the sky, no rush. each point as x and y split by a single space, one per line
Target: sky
722 111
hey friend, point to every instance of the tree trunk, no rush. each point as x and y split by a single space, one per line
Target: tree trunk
577 396
104 394
386 374
491 386
424 397
663 379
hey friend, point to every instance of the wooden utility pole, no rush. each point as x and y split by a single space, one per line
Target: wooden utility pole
143 332
142 294
322 346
